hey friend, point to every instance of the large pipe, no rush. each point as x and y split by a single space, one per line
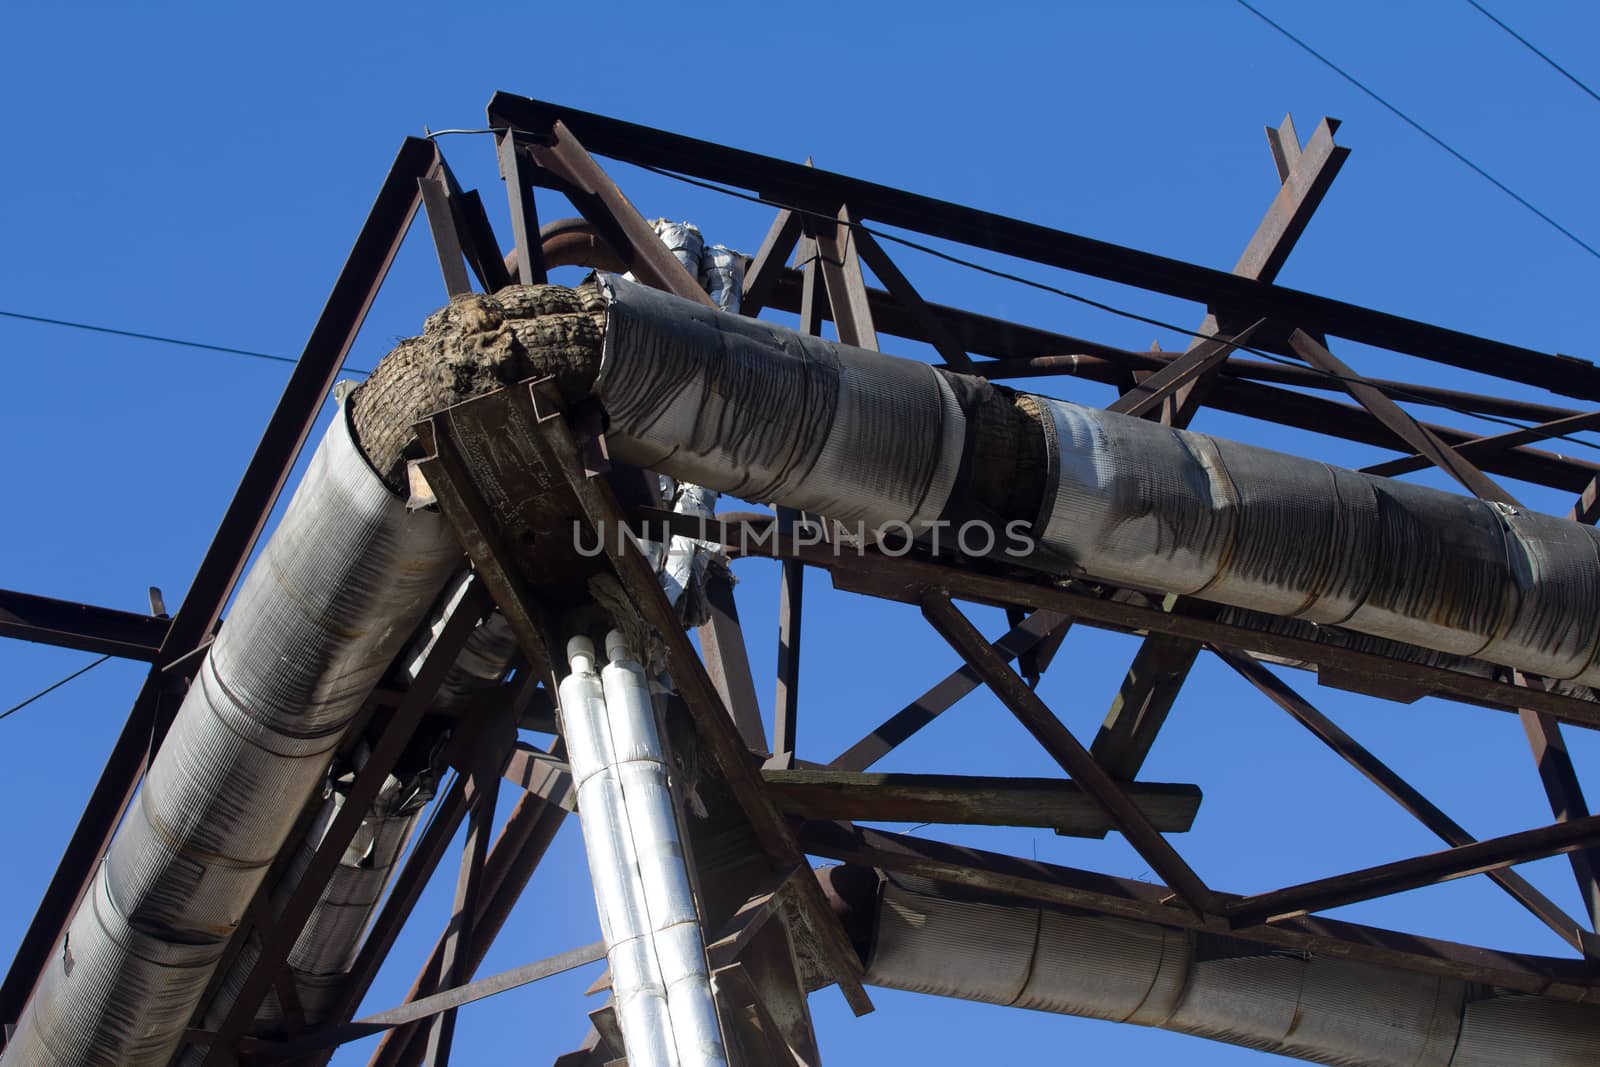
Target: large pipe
339 586
320 960
925 937
750 408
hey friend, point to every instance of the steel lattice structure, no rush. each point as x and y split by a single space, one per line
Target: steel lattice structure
789 808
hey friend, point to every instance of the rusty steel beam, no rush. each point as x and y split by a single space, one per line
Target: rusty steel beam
1479 447
65 624
815 189
906 580
727 660
525 234
446 238
894 730
1388 878
1403 793
515 855
1050 803
566 157
767 264
197 617
424 1008
1058 741
1162 665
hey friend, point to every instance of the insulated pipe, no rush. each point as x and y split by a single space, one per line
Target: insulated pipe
929 938
340 584
322 955
638 861
750 408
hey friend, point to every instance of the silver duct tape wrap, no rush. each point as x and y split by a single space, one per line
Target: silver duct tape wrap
326 948
1333 1011
638 861
767 414
340 584
613 864
1146 505
722 276
683 240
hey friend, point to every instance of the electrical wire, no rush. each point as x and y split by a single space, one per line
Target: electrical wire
116 332
1415 125
1530 46
47 690
1112 309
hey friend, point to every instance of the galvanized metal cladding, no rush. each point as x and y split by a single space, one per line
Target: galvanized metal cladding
293 801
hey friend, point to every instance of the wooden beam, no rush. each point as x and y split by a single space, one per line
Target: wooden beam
1051 803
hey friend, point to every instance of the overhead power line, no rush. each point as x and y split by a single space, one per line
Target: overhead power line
47 690
1430 135
181 342
1530 46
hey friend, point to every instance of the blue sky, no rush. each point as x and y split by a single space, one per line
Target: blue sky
200 171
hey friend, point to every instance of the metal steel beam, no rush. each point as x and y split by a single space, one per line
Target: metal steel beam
905 580
1403 793
1050 803
48 621
1387 878
287 429
791 184
894 730
448 1000
1058 741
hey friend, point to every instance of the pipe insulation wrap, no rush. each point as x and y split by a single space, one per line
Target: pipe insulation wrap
1147 505
764 413
638 861
749 408
337 589
322 955
937 939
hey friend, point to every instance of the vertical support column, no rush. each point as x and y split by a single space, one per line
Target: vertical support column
524 216
453 969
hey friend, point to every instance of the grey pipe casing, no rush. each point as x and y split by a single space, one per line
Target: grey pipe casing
930 939
762 412
1136 502
748 408
339 586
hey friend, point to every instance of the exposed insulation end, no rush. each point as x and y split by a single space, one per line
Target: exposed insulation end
1009 447
474 345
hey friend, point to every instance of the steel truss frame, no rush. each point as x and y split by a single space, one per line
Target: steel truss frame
789 808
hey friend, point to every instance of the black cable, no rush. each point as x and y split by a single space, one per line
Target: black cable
163 340
1415 125
47 690
1400 394
1530 46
